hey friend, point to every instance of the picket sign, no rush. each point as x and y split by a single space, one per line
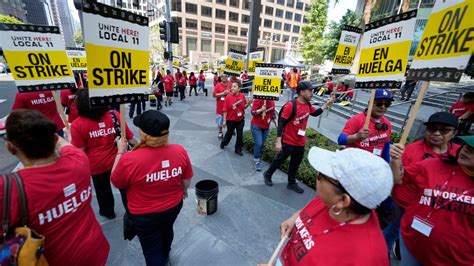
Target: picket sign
414 112
369 108
277 250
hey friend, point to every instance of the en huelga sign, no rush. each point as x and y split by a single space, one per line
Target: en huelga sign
255 56
235 62
267 81
346 50
77 59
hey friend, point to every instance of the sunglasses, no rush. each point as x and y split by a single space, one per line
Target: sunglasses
330 180
383 103
442 130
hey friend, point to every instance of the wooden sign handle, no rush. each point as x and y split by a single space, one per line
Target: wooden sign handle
414 112
277 250
369 109
60 108
264 112
122 121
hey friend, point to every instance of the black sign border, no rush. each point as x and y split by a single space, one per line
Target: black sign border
46 87
383 84
117 99
393 19
93 7
29 28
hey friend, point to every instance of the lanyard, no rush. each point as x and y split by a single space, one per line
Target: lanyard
328 230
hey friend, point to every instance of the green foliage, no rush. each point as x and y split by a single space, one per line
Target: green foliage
9 19
313 32
77 37
395 138
334 32
306 172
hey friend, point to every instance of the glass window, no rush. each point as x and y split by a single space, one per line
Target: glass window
296 29
277 54
285 38
290 3
245 18
289 15
287 27
299 5
176 5
276 37
233 30
191 45
220 28
305 20
223 2
243 32
219 47
233 16
281 2
269 10
277 25
297 17
234 3
246 4
220 13
206 26
279 13
191 24
267 23
178 20
206 11
191 8
270 1
294 39
237 46
306 7
206 45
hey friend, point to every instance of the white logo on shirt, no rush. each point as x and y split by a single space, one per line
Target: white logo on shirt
69 190
163 175
104 132
42 100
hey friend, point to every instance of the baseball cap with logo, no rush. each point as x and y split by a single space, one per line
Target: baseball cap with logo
383 94
153 123
366 177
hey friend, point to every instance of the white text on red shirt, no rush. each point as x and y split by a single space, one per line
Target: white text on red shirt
164 175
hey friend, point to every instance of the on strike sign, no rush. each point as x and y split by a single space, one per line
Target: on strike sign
235 62
117 49
346 50
37 57
385 48
267 81
447 42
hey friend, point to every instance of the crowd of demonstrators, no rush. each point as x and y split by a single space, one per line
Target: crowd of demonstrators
156 176
407 90
375 138
263 113
95 132
221 90
291 133
233 110
192 84
339 226
56 180
438 225
202 82
464 111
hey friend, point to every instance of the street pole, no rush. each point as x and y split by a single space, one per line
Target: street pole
168 33
254 25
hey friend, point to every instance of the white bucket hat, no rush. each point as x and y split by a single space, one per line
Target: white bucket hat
365 176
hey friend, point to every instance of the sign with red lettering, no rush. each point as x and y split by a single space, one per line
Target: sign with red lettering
346 50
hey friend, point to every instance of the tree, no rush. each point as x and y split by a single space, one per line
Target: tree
334 32
313 32
9 19
78 38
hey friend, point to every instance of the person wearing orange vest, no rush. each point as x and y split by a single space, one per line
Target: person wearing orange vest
293 80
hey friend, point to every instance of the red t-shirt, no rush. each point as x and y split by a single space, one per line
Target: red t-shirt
330 86
97 139
244 77
415 152
451 239
59 204
42 101
216 78
202 78
153 177
351 244
460 108
341 88
69 99
351 93
234 106
259 120
377 138
294 132
168 82
176 76
192 81
182 81
220 88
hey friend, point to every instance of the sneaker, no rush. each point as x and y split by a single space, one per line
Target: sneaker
396 250
108 216
258 166
267 179
295 188
166 103
222 146
239 153
221 135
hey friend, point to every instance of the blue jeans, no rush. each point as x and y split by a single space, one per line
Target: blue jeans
201 86
259 137
392 231
155 232
407 258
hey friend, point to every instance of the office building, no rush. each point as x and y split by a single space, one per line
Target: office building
66 22
39 12
13 8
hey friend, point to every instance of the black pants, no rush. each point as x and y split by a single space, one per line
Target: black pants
296 154
239 127
155 232
408 90
191 87
103 190
181 89
138 105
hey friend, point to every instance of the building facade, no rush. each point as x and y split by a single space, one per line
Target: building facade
39 12
13 8
66 22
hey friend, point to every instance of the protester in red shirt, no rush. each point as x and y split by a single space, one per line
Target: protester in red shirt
339 226
201 81
340 86
234 114
176 77
437 228
216 79
56 179
464 110
244 76
68 101
193 84
42 101
263 112
95 131
376 138
182 86
168 82
156 176
330 85
220 92
291 133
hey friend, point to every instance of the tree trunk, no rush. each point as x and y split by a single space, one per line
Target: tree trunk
405 5
367 11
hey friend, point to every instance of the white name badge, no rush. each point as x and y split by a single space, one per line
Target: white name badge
222 98
422 226
101 125
41 95
239 114
301 132
377 151
165 164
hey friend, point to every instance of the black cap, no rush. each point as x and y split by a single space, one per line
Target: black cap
443 118
304 85
153 123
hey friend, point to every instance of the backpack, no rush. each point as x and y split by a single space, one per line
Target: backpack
293 112
293 82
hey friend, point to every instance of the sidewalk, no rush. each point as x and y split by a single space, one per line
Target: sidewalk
245 228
